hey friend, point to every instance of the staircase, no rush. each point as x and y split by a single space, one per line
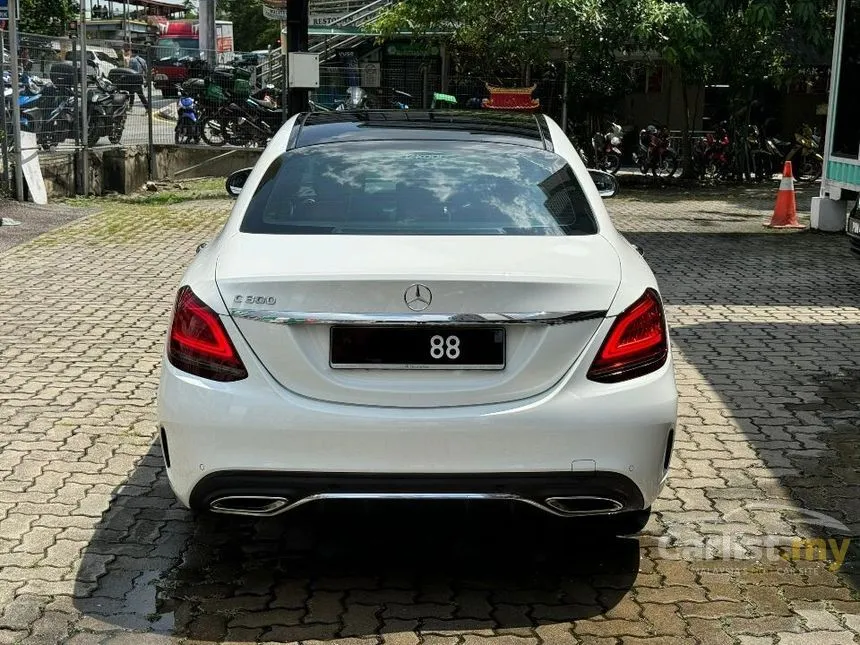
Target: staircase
326 46
357 13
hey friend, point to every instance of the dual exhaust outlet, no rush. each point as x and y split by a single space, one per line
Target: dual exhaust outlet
271 505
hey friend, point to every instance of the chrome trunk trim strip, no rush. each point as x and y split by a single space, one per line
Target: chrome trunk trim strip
344 318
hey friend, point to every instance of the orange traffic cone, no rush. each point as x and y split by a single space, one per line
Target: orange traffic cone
785 211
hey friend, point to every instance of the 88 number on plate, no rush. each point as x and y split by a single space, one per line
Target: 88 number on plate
442 346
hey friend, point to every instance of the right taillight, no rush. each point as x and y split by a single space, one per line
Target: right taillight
199 343
636 344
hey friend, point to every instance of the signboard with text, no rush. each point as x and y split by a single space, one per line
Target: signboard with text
323 19
4 9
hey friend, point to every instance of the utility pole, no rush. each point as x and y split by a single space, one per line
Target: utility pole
297 31
4 144
84 106
16 108
207 31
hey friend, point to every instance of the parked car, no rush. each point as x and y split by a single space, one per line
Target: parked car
414 306
104 58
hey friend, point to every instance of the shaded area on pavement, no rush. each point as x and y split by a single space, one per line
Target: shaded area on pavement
332 569
799 269
794 392
34 220
792 388
744 198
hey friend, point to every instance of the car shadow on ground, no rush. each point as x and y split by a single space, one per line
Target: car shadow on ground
757 317
800 416
340 569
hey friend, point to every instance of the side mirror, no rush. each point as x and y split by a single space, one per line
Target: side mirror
235 181
606 183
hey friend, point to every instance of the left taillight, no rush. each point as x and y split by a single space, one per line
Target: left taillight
637 343
198 342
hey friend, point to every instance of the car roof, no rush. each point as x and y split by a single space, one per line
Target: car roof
315 128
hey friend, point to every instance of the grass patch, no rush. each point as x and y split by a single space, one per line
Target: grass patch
166 193
136 222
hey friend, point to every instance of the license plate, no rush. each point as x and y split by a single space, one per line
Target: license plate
854 226
393 347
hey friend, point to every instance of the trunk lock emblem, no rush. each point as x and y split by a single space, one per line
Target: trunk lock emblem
418 297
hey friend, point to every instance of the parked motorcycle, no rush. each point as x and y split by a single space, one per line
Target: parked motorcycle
655 152
35 98
187 128
251 122
607 149
356 99
807 162
60 123
717 161
107 112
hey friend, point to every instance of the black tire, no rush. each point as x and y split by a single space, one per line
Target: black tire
612 163
667 166
182 133
116 132
218 125
623 524
809 169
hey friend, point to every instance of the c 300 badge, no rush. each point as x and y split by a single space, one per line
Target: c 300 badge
254 300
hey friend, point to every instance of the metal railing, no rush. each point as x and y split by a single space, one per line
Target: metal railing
365 14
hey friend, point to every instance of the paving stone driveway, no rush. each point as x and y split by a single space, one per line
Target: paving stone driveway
93 549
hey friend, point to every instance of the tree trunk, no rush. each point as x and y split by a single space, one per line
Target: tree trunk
686 152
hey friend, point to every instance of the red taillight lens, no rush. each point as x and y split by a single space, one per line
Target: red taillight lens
636 344
199 343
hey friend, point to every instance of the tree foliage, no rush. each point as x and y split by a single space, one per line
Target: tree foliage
46 17
251 29
739 41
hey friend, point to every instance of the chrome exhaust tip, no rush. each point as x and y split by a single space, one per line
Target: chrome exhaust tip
583 505
252 505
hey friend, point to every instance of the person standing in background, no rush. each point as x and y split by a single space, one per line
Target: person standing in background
137 64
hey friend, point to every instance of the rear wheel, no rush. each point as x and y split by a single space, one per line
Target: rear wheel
212 132
612 163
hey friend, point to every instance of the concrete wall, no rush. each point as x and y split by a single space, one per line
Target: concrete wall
125 170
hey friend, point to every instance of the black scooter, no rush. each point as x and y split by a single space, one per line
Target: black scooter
107 111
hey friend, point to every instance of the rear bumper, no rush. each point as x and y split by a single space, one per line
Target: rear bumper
254 434
272 493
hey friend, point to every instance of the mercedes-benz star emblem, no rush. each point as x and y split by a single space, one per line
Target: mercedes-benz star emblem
418 297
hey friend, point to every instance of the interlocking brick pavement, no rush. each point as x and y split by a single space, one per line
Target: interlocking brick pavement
93 548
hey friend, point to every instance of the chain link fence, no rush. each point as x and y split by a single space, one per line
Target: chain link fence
172 93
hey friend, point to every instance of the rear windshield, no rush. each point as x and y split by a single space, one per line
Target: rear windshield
419 188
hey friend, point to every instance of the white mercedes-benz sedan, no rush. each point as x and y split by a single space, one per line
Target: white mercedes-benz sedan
419 305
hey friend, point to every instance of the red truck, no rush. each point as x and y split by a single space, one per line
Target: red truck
179 41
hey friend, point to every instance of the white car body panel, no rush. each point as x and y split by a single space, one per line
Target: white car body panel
370 274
